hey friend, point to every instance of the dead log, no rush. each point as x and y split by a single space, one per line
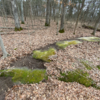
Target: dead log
89 27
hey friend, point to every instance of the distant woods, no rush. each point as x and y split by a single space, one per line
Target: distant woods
83 11
86 12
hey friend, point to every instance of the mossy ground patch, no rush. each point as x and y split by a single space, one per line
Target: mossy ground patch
64 44
86 64
24 75
47 24
18 29
77 76
92 39
61 31
44 55
98 66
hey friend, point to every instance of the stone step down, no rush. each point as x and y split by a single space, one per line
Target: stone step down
5 83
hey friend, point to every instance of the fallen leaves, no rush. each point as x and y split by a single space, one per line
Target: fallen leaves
65 60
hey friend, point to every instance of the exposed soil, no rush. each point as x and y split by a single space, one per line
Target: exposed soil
5 83
26 61
29 62
38 38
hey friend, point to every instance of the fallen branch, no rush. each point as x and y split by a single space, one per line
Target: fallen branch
89 27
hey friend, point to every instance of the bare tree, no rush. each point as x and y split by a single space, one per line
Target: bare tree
79 16
47 23
31 10
22 13
16 17
5 54
62 17
96 25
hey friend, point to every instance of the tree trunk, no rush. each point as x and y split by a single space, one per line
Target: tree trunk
22 13
79 16
54 13
5 54
47 23
50 9
16 17
54 10
62 17
31 10
70 12
96 25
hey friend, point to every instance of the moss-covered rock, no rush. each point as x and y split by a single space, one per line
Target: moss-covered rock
64 44
24 75
86 64
18 29
93 39
37 54
61 31
77 76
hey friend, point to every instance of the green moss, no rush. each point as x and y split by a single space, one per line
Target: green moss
6 73
18 29
22 22
86 65
92 33
67 43
98 66
95 86
15 49
25 75
93 39
77 76
37 54
61 31
47 24
74 33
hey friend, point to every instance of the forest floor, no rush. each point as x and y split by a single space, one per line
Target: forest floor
21 45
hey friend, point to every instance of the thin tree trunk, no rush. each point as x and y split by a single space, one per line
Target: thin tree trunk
5 54
4 12
70 12
16 17
25 11
47 23
62 17
50 9
31 14
96 25
22 13
78 16
54 13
